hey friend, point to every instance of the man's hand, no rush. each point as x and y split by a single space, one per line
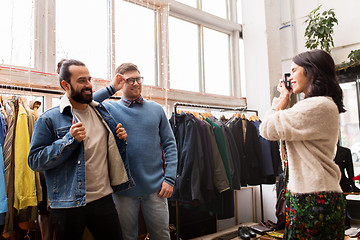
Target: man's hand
120 132
166 190
77 131
118 81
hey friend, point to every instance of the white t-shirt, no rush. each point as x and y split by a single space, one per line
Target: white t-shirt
95 146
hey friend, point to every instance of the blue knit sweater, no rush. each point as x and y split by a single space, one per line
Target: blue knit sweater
148 131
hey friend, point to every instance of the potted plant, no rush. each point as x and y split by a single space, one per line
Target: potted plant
319 29
354 60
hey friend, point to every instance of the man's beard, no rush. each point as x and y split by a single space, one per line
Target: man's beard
78 96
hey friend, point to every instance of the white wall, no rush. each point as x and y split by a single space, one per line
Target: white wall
346 35
261 23
262 51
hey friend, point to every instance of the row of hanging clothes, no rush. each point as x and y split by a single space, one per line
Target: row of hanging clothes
217 155
20 187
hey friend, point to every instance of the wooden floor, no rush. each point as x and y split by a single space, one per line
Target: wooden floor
229 230
234 228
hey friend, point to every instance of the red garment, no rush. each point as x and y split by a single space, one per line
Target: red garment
356 178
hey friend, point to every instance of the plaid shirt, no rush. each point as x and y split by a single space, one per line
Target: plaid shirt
128 102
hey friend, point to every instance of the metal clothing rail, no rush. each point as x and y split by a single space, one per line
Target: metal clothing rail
221 108
30 89
209 106
38 90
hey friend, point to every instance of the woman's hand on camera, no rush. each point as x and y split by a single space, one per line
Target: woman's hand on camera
284 92
285 95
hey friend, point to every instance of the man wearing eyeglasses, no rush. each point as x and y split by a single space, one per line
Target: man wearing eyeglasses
148 136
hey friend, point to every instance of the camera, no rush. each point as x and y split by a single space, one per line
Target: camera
286 81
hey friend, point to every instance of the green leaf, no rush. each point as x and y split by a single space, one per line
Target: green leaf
319 29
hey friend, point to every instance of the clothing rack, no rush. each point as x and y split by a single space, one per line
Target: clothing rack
30 89
38 90
221 108
244 109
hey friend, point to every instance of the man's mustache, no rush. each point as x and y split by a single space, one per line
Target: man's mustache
87 89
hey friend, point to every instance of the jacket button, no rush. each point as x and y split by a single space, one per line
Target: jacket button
78 202
79 162
79 184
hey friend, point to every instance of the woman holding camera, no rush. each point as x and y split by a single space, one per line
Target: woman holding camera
310 129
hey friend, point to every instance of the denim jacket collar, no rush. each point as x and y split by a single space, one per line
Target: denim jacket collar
65 103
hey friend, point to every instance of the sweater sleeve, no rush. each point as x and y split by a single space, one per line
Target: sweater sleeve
104 93
168 144
310 119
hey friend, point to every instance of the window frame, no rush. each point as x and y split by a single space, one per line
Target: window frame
231 27
44 72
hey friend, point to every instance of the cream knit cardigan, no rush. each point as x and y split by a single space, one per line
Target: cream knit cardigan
310 129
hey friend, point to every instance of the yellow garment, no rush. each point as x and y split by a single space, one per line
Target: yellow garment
31 122
25 189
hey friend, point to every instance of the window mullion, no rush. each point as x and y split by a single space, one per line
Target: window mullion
201 60
163 49
45 49
111 39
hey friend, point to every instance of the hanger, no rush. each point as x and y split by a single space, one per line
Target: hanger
254 118
197 115
222 118
241 114
206 115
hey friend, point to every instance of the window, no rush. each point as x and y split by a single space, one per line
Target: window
239 11
183 55
190 49
81 33
349 122
242 67
135 38
217 8
191 3
241 51
216 62
17 32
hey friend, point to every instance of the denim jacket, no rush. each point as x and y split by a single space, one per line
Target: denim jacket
56 152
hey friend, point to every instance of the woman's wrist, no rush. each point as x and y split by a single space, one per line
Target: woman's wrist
285 96
283 103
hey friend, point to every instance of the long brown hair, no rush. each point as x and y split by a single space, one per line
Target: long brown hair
319 67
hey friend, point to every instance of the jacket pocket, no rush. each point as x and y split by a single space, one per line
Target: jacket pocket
61 132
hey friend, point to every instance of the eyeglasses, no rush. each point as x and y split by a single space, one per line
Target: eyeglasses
131 81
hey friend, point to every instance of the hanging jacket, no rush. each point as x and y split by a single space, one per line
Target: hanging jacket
343 159
188 180
220 141
8 152
207 181
25 188
221 180
251 152
267 161
233 154
3 197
